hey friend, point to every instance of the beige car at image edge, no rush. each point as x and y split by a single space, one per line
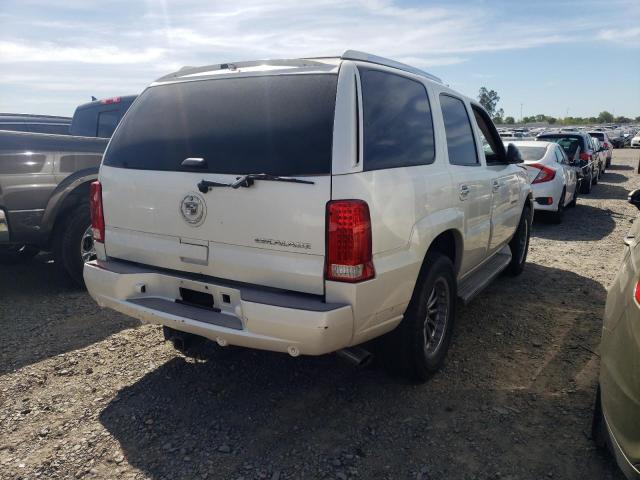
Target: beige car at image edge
616 421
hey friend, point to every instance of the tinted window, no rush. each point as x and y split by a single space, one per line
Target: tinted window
460 141
282 125
84 122
598 135
558 155
73 163
21 163
107 122
569 143
398 128
531 153
491 144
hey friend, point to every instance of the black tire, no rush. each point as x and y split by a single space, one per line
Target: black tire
597 424
558 216
68 240
586 184
574 200
519 244
407 351
17 254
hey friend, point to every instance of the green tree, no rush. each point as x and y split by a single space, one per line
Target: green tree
510 120
605 117
489 100
637 119
622 119
552 120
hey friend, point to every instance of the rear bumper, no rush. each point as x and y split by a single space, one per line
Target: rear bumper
630 470
22 227
546 190
246 315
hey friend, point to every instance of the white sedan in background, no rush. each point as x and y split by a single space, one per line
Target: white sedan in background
635 141
553 179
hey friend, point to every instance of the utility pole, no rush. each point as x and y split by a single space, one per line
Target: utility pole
521 117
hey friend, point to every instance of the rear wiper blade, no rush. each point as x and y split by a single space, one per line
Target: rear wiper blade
247 180
205 185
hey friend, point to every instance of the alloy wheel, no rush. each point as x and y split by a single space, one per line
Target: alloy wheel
87 247
437 317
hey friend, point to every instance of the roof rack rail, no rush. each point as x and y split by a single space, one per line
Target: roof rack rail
367 57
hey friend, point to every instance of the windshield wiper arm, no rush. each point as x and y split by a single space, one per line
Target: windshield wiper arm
247 180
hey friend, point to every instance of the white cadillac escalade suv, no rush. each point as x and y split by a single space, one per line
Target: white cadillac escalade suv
307 206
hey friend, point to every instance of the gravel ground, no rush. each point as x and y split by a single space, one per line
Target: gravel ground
89 393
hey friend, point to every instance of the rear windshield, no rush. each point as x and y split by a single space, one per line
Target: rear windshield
532 153
598 135
568 143
281 125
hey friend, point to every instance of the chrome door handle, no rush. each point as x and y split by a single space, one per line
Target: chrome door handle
464 192
495 186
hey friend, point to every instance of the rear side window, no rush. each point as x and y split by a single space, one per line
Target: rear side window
75 162
398 128
558 154
461 144
20 163
529 154
281 125
107 122
84 122
599 136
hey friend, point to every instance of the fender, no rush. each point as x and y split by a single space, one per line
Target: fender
428 228
62 191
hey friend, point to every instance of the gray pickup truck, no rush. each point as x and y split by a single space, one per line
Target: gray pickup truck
44 186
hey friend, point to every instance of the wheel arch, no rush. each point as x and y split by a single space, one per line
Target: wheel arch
449 243
70 193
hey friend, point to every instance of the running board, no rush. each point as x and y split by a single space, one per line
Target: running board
484 275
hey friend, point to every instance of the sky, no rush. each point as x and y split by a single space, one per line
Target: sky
559 58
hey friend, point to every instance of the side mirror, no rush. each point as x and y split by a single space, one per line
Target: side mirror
513 154
634 198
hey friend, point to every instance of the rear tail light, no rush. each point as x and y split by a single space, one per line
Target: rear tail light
349 254
585 156
544 175
636 293
97 215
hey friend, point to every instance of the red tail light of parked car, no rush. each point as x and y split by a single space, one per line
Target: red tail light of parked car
349 253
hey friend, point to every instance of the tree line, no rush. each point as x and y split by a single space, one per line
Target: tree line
489 100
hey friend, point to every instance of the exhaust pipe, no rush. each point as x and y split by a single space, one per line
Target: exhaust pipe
356 355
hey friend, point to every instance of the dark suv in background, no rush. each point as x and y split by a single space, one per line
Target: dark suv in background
582 155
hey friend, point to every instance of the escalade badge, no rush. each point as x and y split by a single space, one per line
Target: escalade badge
193 209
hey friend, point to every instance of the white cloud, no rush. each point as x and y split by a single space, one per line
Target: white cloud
629 36
51 52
